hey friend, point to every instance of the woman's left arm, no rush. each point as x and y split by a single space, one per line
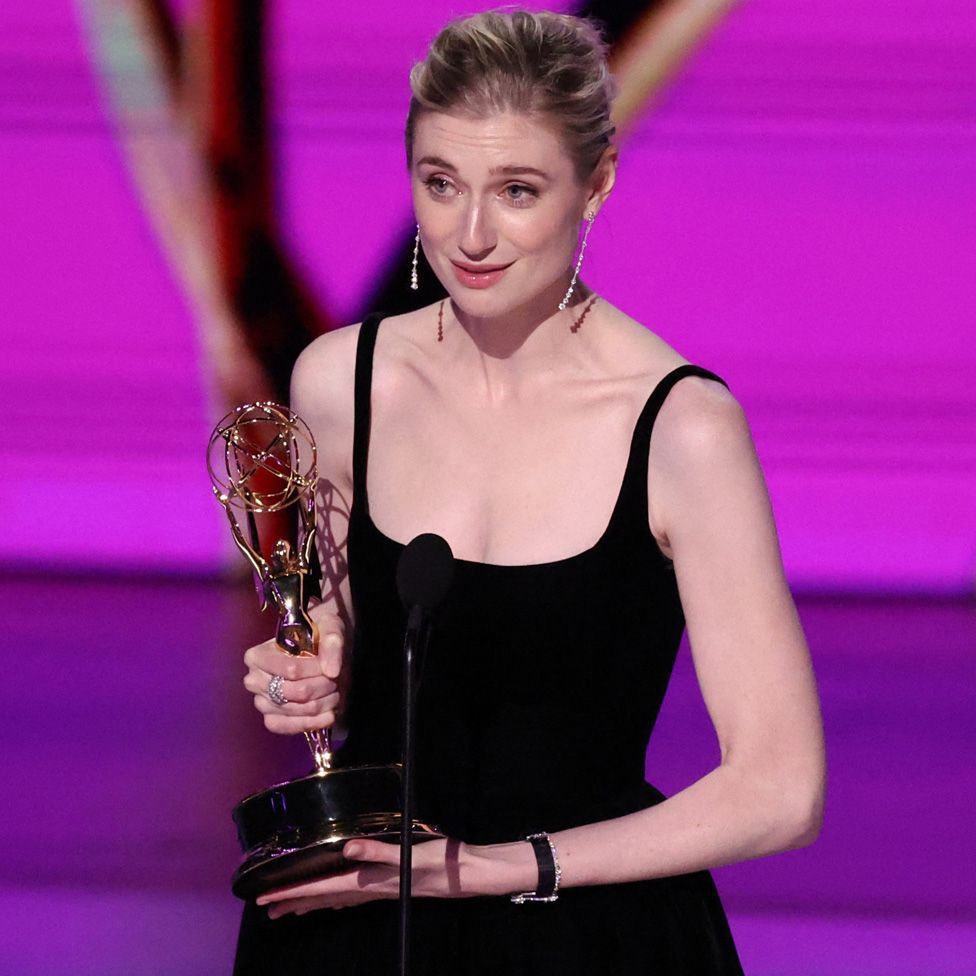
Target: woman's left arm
709 498
766 795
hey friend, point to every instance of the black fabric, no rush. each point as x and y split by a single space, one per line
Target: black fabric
503 749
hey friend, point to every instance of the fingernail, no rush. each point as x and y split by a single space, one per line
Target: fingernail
354 850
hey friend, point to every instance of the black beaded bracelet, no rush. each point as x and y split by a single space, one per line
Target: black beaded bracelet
549 873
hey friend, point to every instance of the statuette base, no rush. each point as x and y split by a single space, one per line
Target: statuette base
295 831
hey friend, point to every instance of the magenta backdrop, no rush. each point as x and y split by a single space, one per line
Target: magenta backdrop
796 214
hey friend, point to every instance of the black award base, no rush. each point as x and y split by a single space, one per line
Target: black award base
295 831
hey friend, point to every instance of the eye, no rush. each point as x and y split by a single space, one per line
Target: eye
438 186
521 195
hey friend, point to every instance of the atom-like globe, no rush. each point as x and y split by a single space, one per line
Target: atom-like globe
261 458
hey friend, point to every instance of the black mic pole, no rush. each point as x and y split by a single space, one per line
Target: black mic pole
424 574
415 639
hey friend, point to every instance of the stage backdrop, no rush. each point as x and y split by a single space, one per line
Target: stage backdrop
796 214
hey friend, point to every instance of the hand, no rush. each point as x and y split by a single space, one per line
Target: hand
312 685
441 869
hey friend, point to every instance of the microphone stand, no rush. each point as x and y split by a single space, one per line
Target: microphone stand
415 639
423 576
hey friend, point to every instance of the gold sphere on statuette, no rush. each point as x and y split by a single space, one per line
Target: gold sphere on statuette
261 458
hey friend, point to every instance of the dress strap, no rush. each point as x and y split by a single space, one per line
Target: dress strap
361 406
633 491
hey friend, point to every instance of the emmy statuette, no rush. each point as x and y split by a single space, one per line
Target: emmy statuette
261 459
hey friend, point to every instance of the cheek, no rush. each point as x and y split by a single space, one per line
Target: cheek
548 239
438 221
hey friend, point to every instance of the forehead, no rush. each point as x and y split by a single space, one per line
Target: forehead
477 144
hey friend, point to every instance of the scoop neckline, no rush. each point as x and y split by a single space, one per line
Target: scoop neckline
548 564
360 501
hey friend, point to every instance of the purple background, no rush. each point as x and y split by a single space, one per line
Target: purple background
796 214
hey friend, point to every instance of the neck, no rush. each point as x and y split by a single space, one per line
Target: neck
525 337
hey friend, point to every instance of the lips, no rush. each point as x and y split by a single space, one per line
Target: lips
479 275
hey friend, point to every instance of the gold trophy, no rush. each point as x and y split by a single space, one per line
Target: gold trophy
261 459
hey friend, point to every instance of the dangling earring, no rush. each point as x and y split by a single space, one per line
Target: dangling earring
590 217
416 253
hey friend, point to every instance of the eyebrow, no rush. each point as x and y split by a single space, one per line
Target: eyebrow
516 170
438 162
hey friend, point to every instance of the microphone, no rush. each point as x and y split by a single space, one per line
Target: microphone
424 573
423 577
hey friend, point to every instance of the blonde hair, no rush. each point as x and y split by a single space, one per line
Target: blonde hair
544 64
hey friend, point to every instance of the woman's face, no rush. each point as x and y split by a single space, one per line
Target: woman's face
499 208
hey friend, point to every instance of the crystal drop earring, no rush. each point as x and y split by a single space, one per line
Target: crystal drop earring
590 217
416 254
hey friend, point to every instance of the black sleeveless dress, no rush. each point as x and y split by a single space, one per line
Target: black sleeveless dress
504 750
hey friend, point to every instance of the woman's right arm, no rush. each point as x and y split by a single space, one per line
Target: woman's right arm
322 389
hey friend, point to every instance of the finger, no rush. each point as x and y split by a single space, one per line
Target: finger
308 690
272 659
282 724
357 882
343 884
327 621
330 654
319 707
301 906
375 851
258 650
332 639
297 906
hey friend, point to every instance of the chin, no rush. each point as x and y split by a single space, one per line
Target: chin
483 304
496 301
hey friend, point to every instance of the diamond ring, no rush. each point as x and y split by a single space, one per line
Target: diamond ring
274 690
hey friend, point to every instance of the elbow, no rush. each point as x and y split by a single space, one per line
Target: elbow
794 800
806 824
803 811
792 791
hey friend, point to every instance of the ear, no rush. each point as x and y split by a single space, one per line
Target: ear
602 181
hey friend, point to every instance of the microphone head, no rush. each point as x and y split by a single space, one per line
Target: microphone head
424 572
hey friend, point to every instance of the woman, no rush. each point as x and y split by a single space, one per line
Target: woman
515 419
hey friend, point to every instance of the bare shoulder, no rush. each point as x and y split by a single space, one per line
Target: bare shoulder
628 349
323 383
701 426
703 471
698 413
403 353
323 378
701 441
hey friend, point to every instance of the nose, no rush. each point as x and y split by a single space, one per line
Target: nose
477 235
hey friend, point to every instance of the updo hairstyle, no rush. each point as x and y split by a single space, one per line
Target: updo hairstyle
553 66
